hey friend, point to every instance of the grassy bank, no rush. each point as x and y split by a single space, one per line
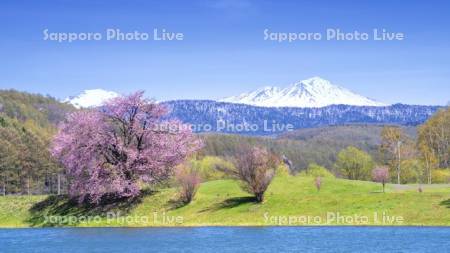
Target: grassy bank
289 201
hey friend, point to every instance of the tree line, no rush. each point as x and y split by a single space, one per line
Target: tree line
27 124
421 160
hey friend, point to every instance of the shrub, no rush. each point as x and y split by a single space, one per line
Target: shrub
412 171
316 170
441 176
188 180
206 167
354 163
255 168
282 170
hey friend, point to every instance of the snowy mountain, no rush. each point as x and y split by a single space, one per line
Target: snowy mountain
313 92
209 115
310 93
91 98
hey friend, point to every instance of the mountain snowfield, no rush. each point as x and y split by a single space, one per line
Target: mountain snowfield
309 93
312 92
91 98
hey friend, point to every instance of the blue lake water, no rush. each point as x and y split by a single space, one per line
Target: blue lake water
228 239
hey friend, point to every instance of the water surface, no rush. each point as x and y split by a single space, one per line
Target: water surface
227 239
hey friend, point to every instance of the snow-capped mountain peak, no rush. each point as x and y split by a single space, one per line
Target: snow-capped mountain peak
312 92
91 98
259 95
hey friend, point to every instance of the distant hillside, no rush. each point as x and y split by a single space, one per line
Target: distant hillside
43 110
358 135
304 146
27 122
211 116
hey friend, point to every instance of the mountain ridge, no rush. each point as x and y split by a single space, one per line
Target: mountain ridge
208 115
312 92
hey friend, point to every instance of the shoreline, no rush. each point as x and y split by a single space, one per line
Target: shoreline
234 226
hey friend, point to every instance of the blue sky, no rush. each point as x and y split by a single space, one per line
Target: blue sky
223 52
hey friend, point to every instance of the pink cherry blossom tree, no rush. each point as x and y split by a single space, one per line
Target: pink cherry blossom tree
380 175
115 149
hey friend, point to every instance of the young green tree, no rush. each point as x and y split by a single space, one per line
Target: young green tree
31 161
434 142
413 171
8 156
353 163
316 170
395 147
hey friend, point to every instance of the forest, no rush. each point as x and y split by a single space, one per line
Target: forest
27 124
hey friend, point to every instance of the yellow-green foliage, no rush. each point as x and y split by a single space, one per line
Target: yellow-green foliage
411 171
354 163
27 124
282 170
207 167
440 176
434 138
316 170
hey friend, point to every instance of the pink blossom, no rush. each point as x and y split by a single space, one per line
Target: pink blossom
112 150
380 175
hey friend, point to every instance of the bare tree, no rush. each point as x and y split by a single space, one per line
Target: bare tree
255 168
189 180
318 183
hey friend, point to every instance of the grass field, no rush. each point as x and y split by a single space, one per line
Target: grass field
290 200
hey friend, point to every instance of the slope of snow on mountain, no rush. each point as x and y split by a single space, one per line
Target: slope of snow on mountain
313 92
91 98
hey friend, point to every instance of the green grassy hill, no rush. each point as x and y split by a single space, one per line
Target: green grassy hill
340 202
